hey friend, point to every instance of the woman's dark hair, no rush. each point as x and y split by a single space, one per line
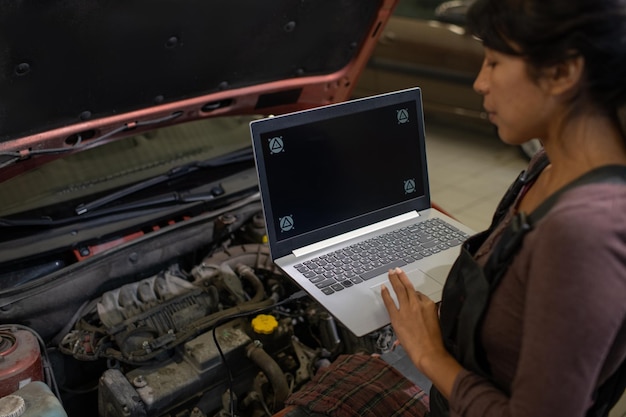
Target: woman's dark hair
547 32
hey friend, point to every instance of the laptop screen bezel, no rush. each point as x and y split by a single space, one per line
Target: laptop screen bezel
258 128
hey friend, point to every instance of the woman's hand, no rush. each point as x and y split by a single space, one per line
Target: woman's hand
416 323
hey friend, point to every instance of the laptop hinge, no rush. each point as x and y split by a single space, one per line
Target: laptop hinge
306 250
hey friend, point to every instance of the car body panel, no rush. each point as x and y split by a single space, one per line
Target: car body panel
112 69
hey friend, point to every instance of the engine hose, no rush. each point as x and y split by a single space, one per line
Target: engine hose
272 371
248 273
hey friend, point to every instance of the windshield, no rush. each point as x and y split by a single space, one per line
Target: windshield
57 188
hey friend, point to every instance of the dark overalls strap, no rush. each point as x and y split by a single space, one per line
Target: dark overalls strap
524 178
466 293
522 223
469 287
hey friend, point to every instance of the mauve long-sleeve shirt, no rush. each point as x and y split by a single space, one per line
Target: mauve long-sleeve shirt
555 327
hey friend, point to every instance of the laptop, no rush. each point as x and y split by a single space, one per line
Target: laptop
345 195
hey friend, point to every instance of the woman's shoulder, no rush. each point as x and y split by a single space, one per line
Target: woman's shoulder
585 227
597 200
594 209
579 245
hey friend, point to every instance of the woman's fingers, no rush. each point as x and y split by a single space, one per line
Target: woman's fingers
404 278
401 285
405 292
388 301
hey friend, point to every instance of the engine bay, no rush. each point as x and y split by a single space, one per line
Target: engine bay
216 331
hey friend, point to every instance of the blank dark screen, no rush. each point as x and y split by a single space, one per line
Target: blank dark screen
329 171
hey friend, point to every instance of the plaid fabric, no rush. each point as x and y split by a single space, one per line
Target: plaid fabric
361 385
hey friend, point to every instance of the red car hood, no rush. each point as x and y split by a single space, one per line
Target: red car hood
76 74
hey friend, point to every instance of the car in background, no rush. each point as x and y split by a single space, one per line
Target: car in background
425 44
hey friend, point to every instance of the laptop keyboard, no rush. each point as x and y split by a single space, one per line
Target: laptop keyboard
360 262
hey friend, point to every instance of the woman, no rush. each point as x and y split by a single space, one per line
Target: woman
553 329
547 328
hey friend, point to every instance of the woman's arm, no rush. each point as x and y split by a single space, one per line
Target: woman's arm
416 324
572 307
572 272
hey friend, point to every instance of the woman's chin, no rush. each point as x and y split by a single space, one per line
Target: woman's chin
509 139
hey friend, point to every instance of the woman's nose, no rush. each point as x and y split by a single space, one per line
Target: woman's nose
480 83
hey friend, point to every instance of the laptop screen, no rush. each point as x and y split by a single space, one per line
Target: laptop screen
324 169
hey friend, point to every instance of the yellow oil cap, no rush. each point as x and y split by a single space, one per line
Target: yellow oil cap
264 324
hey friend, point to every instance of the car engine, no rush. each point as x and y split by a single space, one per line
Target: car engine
228 335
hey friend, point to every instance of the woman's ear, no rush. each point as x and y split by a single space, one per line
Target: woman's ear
565 77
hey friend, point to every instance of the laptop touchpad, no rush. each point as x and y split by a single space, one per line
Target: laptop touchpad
439 273
420 280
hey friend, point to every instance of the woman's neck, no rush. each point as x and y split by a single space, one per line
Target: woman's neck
581 145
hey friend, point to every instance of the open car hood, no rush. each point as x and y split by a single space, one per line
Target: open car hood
132 236
77 74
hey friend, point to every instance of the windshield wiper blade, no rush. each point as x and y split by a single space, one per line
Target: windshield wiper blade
231 158
218 192
204 193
